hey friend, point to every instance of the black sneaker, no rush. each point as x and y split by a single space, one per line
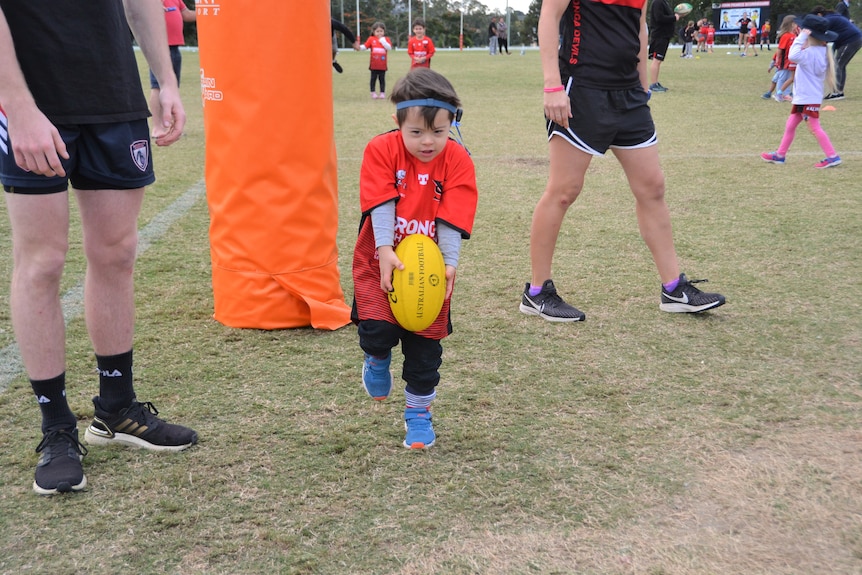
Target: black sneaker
835 96
549 305
688 299
138 426
657 88
337 67
59 469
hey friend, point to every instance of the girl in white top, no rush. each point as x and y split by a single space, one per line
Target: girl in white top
815 68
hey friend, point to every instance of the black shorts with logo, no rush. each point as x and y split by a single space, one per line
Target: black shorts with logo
101 157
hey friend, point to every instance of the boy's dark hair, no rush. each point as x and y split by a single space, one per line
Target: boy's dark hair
419 22
419 84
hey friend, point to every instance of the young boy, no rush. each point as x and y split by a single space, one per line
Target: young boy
411 177
420 48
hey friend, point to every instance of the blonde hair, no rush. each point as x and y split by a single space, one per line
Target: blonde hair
829 82
786 25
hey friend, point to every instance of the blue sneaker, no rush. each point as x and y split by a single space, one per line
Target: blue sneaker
828 162
376 377
772 158
420 433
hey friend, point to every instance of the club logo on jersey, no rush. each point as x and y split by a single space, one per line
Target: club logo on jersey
423 179
438 190
399 178
140 154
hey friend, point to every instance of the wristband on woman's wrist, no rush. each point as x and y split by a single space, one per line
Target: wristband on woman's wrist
559 88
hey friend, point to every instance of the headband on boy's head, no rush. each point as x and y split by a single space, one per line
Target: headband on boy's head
433 103
427 102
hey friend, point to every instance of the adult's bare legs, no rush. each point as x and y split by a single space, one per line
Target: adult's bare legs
565 182
647 183
110 223
40 229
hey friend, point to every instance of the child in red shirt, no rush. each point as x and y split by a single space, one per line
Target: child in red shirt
379 45
786 35
412 178
420 48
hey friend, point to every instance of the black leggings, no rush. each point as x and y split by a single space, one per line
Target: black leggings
503 44
378 75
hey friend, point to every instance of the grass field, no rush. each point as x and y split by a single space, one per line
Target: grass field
637 442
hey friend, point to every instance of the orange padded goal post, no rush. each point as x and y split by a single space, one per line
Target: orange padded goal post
271 172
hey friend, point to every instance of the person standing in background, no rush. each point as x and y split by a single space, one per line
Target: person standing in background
742 24
420 47
176 13
846 45
379 45
765 31
492 37
338 26
661 23
503 36
843 8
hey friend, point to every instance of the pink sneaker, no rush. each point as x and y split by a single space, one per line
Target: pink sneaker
373 95
828 162
772 158
382 96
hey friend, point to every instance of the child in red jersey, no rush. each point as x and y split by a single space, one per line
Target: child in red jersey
420 48
710 37
412 178
786 35
751 40
765 30
379 45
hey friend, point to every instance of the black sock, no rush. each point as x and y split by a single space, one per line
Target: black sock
116 390
51 395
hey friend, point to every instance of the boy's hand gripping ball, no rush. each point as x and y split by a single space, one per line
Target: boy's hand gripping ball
418 291
683 9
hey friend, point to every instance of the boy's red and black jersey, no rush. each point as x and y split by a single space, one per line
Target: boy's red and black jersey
600 43
442 190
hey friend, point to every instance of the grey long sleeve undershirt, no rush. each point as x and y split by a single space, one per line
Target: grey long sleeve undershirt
383 223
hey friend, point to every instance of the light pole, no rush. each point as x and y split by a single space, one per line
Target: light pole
508 25
461 33
357 18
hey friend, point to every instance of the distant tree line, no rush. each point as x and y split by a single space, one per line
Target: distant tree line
442 19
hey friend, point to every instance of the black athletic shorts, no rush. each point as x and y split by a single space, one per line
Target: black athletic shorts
602 119
658 48
101 157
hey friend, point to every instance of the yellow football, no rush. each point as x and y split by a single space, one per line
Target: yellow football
420 288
